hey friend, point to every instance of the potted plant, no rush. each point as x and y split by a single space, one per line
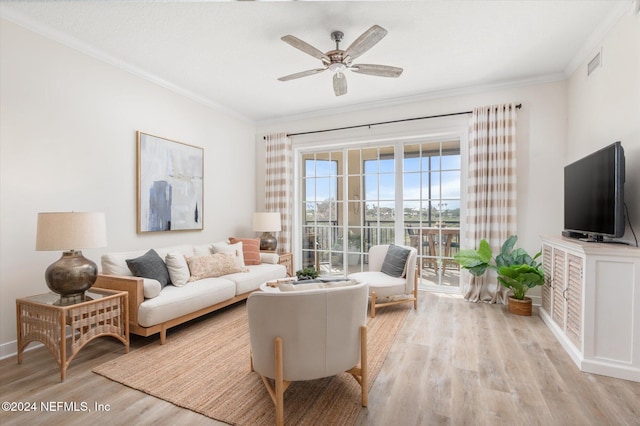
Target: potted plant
516 269
309 273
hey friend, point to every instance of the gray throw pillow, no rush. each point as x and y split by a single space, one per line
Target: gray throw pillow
394 261
150 265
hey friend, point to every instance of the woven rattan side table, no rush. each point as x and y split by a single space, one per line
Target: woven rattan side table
44 318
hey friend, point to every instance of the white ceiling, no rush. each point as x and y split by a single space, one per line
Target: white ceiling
229 54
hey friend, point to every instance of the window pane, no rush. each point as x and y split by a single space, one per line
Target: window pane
387 187
387 165
451 162
411 212
411 186
371 187
309 190
310 212
309 168
450 184
434 185
371 211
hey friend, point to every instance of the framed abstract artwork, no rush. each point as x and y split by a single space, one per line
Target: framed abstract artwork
170 185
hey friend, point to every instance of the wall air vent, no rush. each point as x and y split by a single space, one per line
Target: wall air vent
594 63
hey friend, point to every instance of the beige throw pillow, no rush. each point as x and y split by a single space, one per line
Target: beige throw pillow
213 265
235 249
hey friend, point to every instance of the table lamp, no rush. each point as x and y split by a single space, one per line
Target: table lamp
72 274
267 223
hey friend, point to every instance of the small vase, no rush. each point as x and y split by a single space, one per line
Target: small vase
520 307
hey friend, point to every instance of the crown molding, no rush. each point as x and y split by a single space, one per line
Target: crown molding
421 97
21 20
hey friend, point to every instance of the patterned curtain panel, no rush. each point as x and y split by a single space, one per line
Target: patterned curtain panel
491 205
279 185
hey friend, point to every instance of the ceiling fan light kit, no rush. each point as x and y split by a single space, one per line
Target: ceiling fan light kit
338 60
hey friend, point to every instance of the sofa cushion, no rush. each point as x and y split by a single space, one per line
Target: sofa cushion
213 265
178 268
174 302
258 274
381 283
250 249
235 249
150 265
395 261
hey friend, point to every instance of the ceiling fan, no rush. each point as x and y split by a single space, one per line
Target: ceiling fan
339 60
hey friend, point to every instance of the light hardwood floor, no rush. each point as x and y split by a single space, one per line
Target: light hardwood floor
453 363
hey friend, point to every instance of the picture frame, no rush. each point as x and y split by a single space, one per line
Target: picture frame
170 185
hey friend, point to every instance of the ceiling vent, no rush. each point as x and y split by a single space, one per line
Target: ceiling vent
594 63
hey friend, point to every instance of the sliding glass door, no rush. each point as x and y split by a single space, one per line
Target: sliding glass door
431 207
353 198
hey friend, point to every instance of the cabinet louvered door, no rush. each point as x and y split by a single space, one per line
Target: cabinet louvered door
574 299
558 287
547 252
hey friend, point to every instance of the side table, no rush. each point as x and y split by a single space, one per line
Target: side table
44 318
286 259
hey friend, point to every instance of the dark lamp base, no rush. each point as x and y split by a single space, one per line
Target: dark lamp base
71 275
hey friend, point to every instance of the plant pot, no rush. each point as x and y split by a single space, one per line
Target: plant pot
520 307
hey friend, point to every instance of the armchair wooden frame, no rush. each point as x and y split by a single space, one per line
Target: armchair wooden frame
278 386
414 299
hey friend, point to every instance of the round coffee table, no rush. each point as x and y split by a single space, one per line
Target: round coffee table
268 289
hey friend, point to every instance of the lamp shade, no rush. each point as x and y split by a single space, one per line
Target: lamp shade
70 230
266 222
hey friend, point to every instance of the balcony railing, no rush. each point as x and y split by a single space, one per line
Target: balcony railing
324 237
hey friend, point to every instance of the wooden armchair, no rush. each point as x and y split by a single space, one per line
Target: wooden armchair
307 335
383 285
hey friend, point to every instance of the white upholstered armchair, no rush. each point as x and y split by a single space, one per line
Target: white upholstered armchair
307 335
398 279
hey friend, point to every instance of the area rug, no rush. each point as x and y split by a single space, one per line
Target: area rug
205 367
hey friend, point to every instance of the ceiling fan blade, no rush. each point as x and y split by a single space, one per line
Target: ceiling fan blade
301 74
366 41
377 70
339 84
305 47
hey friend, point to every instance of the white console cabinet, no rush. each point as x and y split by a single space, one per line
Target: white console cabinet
591 303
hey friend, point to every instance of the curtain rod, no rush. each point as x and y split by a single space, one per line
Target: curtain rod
383 122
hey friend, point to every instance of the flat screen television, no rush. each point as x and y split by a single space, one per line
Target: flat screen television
594 195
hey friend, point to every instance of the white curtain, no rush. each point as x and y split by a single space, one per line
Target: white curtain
279 184
491 205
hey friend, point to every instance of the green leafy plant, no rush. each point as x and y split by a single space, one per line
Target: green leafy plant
516 269
309 273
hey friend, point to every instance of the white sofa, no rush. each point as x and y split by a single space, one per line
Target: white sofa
153 308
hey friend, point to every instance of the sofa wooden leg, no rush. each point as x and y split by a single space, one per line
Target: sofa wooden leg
163 335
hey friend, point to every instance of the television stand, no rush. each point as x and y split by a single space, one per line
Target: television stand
591 303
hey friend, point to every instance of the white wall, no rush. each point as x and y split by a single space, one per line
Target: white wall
541 130
68 142
605 107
